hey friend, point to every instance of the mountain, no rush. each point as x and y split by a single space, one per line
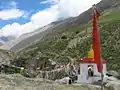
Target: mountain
1 42
31 38
71 38
26 39
5 39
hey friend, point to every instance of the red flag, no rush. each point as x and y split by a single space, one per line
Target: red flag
96 43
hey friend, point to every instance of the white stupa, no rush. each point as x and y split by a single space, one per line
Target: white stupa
84 76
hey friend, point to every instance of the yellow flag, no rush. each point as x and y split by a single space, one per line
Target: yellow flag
91 53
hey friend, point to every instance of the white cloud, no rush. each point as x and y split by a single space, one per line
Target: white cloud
44 17
9 11
71 8
39 19
44 2
10 14
16 29
26 15
8 5
50 1
10 29
26 28
13 4
61 9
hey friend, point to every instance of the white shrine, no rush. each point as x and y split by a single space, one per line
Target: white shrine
84 76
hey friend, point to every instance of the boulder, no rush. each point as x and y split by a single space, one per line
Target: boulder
113 85
114 73
65 80
111 78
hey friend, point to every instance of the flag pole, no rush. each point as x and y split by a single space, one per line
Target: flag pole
102 76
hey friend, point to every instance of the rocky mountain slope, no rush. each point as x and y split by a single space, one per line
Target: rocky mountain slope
5 39
57 27
26 39
71 39
63 40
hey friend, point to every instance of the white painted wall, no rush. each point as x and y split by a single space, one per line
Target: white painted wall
83 77
83 73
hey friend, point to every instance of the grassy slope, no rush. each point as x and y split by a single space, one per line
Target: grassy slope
78 39
110 42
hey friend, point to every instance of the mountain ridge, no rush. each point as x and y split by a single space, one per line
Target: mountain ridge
67 23
73 39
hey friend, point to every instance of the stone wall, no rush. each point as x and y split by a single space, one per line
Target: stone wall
53 74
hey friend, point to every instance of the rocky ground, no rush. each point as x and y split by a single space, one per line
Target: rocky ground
18 82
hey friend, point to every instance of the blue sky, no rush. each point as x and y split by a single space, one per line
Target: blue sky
30 6
23 16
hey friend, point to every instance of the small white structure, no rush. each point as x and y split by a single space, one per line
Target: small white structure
84 76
